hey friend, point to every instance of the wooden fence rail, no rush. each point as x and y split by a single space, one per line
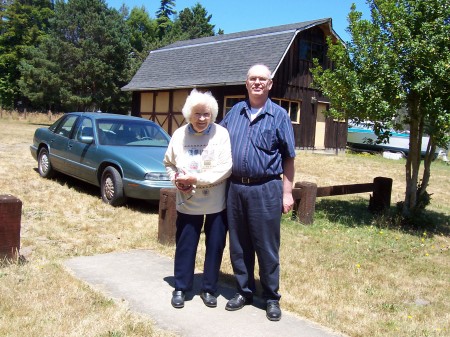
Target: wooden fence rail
305 194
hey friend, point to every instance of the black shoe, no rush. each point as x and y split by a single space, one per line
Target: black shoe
177 299
209 299
273 311
237 302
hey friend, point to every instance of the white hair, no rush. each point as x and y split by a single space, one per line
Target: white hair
196 98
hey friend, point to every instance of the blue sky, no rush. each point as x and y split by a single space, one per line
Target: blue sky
240 15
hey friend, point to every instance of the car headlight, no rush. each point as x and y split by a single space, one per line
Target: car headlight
156 176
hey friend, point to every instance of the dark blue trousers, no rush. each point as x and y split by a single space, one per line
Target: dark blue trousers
187 237
254 216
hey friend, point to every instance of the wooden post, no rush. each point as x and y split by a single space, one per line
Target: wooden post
10 213
381 199
305 201
167 216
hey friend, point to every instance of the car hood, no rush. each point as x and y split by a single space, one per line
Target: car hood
147 157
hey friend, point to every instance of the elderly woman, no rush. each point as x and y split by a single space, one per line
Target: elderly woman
198 161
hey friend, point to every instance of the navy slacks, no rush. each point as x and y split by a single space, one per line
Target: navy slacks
254 216
187 237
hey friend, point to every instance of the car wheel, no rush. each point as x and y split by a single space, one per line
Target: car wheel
112 187
44 166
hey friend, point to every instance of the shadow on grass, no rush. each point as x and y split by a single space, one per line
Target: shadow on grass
142 206
355 213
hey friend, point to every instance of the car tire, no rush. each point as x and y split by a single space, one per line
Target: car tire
45 167
112 187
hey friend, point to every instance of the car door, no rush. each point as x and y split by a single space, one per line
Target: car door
82 150
60 141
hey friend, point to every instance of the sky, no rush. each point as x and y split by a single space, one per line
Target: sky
240 15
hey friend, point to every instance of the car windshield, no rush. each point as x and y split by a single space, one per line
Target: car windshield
121 132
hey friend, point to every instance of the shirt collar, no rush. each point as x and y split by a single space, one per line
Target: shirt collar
267 108
193 132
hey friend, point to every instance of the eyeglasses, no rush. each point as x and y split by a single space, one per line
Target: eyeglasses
205 115
263 80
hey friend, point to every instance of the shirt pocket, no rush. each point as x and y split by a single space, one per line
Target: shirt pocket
265 140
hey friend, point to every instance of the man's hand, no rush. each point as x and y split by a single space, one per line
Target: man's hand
288 202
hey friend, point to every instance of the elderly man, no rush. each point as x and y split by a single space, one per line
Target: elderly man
263 149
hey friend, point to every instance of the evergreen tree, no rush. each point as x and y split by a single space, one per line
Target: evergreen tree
166 9
191 23
86 58
163 17
194 22
23 24
143 34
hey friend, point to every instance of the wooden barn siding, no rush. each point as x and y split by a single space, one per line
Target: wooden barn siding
136 103
336 134
292 81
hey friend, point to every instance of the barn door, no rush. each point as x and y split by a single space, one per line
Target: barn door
319 138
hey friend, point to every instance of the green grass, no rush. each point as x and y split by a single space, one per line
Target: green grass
370 277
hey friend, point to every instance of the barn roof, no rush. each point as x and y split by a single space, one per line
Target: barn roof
217 60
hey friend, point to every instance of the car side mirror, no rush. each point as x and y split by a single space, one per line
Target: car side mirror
87 139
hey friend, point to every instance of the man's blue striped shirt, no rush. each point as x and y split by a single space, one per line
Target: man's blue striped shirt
259 146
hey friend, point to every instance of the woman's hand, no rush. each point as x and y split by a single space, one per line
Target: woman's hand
185 183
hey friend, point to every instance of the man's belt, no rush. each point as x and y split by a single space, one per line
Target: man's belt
250 181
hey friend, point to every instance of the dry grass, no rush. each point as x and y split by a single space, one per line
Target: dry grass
349 271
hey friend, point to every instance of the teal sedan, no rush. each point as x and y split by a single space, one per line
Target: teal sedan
122 155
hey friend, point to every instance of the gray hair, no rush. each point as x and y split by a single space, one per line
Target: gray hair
196 98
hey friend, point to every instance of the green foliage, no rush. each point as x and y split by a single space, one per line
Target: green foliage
143 35
194 22
23 24
191 23
395 72
87 56
165 11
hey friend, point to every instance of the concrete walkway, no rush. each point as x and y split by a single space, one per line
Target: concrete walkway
145 280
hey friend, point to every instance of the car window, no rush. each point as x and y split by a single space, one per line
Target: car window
53 127
84 129
131 133
66 126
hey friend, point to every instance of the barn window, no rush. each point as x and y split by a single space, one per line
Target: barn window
229 101
292 107
312 45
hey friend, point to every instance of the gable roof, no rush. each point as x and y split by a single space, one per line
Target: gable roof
217 60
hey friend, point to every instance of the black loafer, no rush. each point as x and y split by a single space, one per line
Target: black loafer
177 299
209 299
273 311
237 302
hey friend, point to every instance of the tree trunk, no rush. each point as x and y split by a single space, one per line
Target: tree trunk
414 157
431 150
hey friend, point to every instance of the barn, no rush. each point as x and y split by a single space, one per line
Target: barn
220 63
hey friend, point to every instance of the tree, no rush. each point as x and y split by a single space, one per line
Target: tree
23 24
165 11
143 34
191 23
398 61
194 22
83 62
